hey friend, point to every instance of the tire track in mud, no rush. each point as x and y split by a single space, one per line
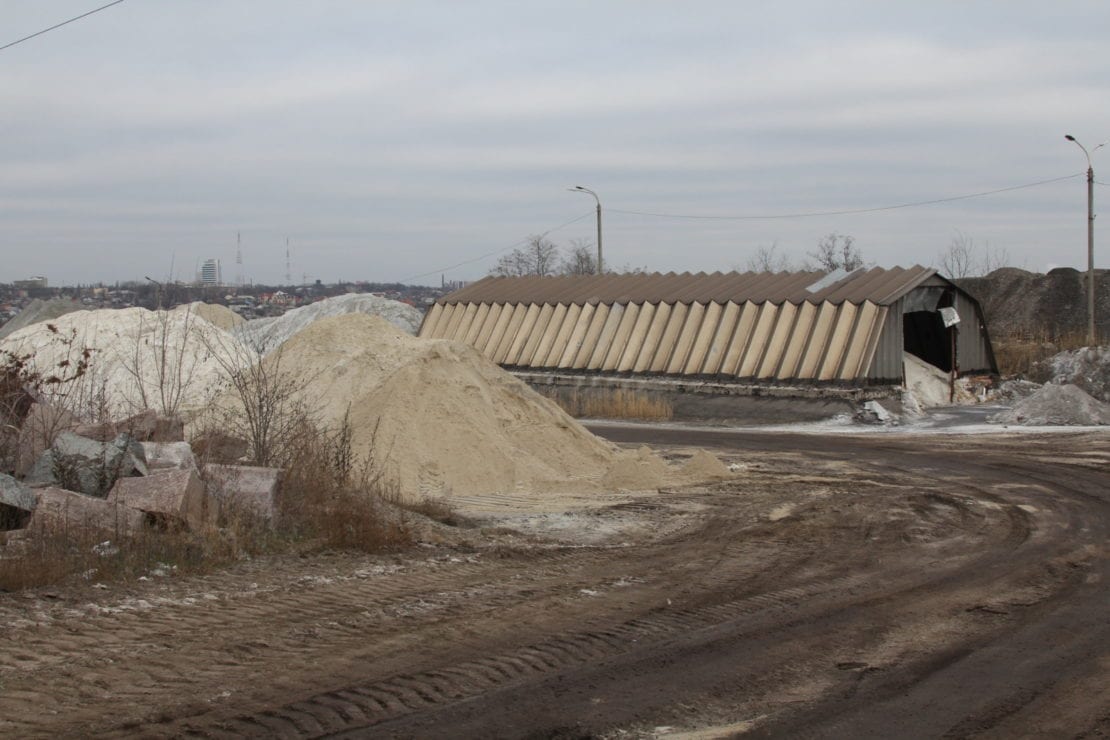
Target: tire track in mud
342 612
358 706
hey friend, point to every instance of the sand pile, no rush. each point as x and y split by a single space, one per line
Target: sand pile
214 314
39 310
929 384
704 466
266 334
439 417
163 360
1057 405
1086 367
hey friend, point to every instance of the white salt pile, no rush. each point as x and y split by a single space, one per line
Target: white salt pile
169 361
1086 367
930 385
266 334
1056 405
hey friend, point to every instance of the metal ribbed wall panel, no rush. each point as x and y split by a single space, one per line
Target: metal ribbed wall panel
428 326
636 339
776 343
452 321
619 341
685 339
838 341
796 343
740 339
538 358
758 342
589 341
725 329
605 338
655 331
559 346
471 336
695 364
818 341
670 336
506 343
577 334
493 320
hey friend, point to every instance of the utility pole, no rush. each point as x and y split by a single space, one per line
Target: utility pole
580 189
1091 338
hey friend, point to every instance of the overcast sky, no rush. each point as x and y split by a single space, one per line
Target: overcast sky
393 140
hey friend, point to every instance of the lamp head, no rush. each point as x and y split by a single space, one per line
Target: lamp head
1069 137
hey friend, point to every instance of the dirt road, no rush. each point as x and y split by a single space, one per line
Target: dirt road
838 586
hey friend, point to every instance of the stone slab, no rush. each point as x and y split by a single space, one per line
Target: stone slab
62 511
244 488
178 495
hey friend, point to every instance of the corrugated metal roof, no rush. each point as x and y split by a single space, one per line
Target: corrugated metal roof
876 285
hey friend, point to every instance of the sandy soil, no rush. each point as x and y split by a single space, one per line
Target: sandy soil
839 586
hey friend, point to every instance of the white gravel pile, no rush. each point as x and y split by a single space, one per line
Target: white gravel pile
164 360
1056 405
269 333
1086 367
39 310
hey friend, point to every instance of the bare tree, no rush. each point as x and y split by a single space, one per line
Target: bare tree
268 405
956 261
766 259
582 258
835 252
538 257
965 258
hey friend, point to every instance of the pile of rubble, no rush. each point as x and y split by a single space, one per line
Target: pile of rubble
1056 405
122 478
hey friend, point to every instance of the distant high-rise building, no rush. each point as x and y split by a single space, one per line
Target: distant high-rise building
210 272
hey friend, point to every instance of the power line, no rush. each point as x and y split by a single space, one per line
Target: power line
519 242
63 23
845 212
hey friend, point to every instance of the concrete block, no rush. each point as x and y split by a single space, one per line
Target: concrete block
162 456
244 488
62 511
177 495
86 465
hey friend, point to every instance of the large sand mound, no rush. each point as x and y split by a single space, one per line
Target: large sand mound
438 416
1057 405
164 360
266 334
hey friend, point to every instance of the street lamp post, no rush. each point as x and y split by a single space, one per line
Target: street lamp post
580 189
1090 238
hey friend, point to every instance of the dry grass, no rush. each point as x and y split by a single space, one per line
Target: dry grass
322 506
49 555
604 403
1020 354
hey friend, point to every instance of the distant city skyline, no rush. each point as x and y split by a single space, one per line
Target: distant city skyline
401 142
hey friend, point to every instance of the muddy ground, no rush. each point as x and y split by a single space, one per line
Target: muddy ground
918 586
